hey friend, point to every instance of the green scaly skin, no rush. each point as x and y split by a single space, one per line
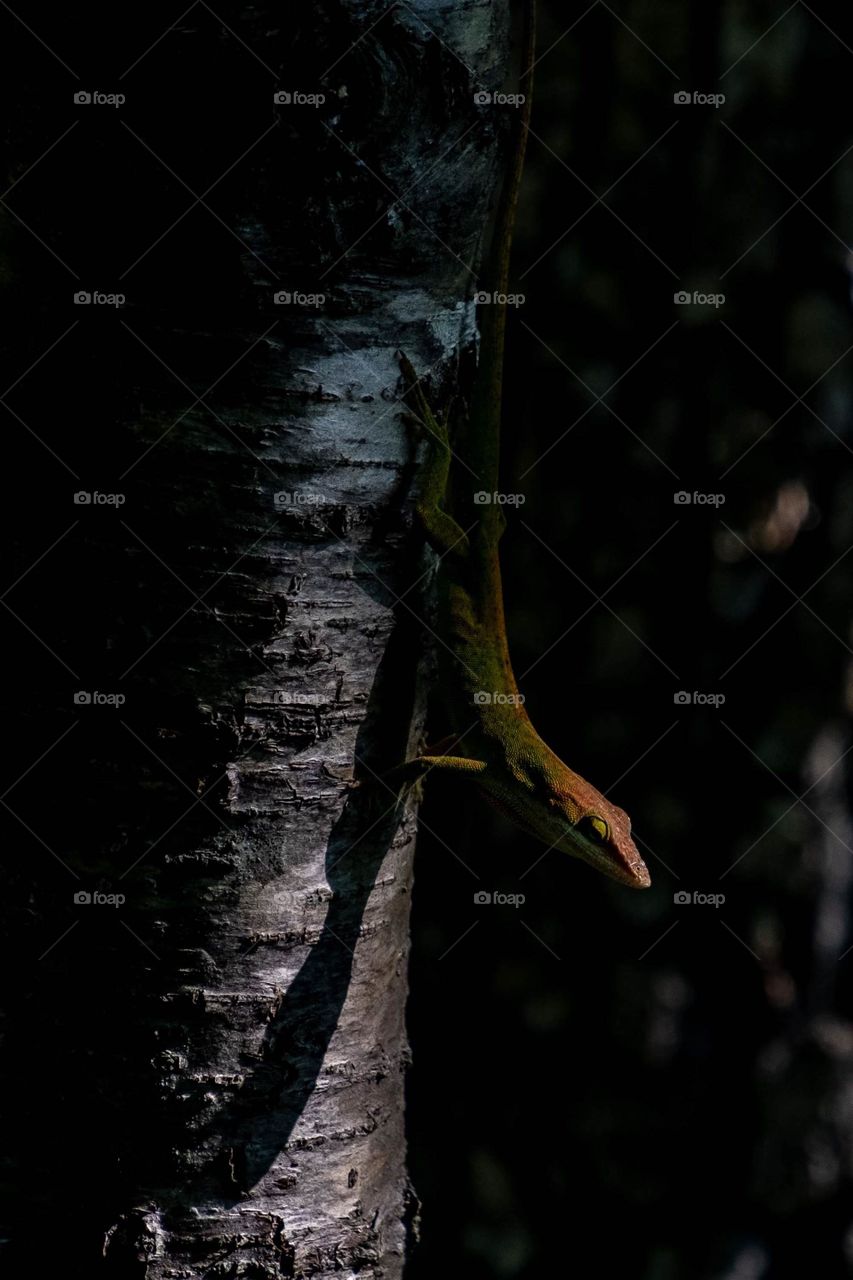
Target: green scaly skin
493 740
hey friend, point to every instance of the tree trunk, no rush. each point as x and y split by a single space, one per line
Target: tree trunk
223 1051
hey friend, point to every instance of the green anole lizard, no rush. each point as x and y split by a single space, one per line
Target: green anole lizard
495 743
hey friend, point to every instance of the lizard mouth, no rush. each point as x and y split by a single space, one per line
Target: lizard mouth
634 874
627 869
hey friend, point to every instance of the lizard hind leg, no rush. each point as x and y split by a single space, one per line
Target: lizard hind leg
442 532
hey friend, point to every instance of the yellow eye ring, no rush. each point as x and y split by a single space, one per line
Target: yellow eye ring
595 828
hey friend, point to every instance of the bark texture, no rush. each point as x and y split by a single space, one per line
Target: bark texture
227 1047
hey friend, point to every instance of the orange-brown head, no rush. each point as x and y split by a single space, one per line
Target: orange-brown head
548 800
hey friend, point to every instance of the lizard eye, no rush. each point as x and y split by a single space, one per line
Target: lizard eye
595 829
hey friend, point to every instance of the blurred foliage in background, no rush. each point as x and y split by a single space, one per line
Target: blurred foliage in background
625 1081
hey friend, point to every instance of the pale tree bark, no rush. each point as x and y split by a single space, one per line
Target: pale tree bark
232 1049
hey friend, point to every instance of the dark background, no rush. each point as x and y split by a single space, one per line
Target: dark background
631 1084
601 1079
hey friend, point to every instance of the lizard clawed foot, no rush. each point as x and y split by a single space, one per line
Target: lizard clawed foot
378 796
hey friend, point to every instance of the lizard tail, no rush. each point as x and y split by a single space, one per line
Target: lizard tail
512 185
489 392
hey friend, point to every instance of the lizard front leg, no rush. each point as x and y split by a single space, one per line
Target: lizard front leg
391 783
420 766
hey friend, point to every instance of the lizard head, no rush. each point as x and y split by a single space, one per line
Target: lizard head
558 806
601 836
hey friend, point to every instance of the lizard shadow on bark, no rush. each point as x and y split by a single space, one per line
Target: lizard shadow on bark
252 1132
